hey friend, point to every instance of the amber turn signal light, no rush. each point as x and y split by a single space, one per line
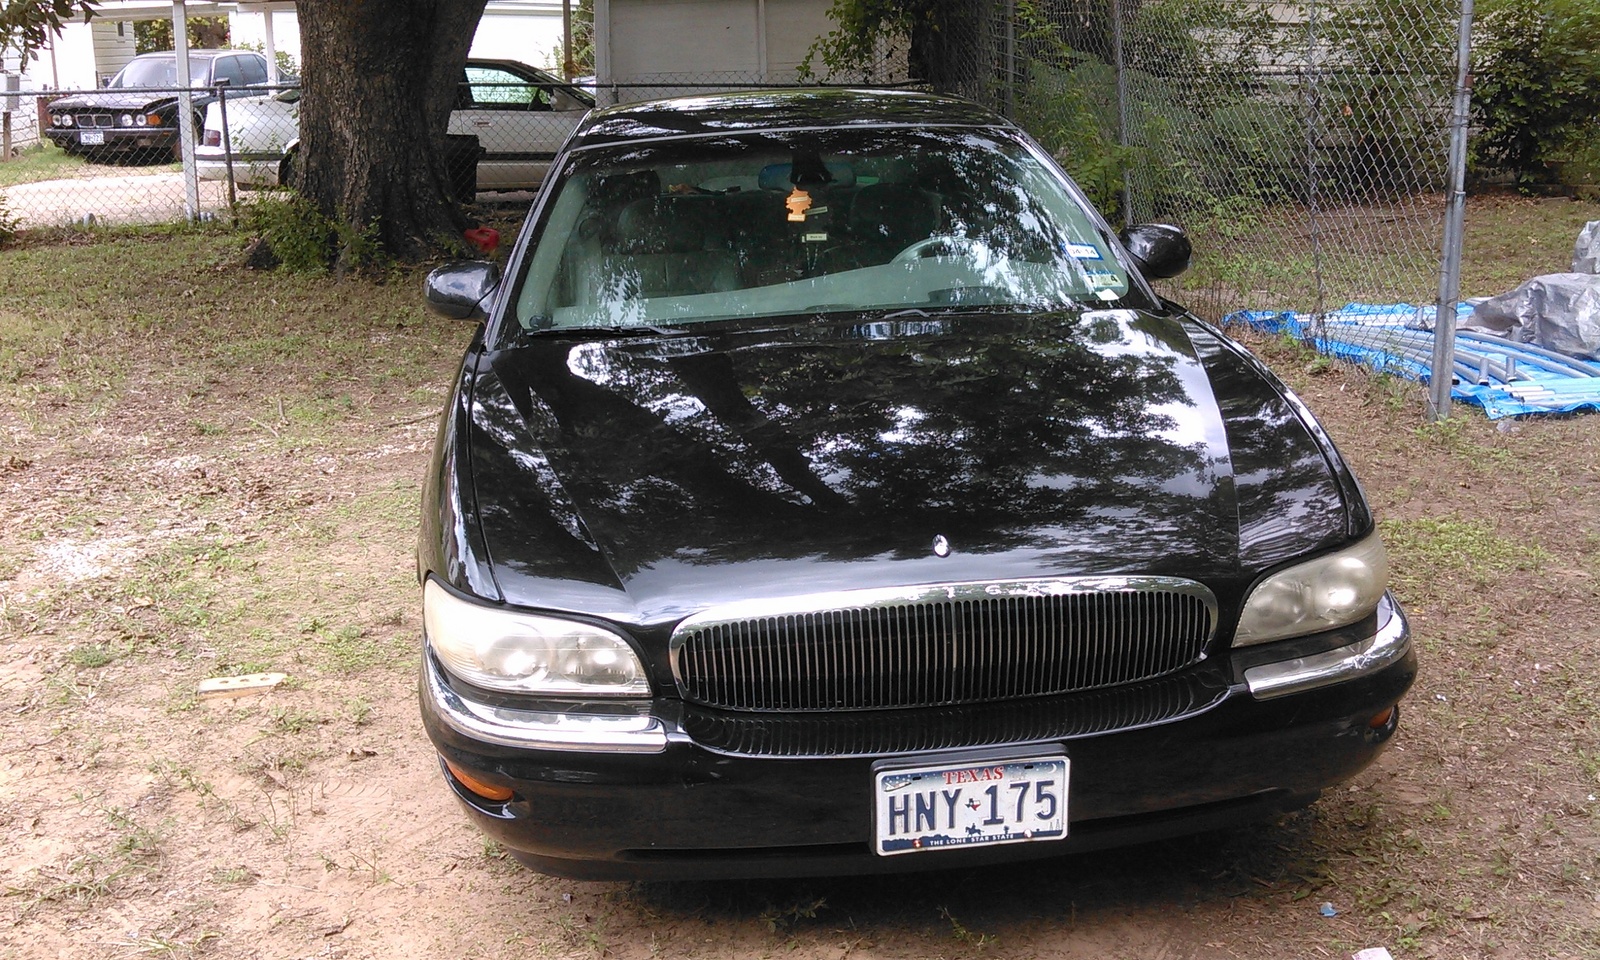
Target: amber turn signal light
1381 720
488 791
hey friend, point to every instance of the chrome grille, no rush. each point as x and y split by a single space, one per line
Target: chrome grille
941 645
96 120
974 725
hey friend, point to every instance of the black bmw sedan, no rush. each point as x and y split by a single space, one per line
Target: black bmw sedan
827 491
136 112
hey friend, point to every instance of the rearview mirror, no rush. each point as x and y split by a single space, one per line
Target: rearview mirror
461 290
1159 250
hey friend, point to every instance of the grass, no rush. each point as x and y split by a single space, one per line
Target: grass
1511 238
1429 549
46 161
43 161
1262 259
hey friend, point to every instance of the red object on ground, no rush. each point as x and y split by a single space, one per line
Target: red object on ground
486 239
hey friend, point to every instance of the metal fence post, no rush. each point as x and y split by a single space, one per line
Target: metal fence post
1009 108
185 117
1444 323
227 147
1313 171
1120 66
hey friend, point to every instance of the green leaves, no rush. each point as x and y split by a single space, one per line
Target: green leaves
1536 94
26 25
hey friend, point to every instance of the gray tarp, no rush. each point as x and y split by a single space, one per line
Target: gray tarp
1558 311
1586 254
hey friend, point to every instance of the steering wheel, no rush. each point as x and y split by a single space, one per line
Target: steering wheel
977 249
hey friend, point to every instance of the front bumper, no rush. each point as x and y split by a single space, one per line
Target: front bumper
675 792
113 138
258 169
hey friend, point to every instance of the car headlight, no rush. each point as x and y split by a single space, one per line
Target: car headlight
526 653
65 120
140 120
1320 594
125 120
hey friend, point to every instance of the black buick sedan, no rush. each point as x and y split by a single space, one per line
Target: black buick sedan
827 491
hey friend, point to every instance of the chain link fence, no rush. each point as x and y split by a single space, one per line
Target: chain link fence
112 157
91 157
1303 145
888 66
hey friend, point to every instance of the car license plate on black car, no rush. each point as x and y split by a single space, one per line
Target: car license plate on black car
971 804
92 138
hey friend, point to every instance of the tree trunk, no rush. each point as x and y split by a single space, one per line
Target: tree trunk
380 79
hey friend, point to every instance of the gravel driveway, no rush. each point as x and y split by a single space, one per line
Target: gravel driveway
133 198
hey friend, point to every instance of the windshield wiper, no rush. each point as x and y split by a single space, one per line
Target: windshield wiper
617 330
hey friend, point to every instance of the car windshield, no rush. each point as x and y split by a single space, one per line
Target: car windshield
159 72
810 222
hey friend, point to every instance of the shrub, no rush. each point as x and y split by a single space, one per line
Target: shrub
1070 113
305 241
1536 94
8 222
299 236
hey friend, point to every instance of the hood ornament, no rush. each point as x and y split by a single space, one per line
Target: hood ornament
941 546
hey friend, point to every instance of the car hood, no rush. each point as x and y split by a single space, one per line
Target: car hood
646 478
112 100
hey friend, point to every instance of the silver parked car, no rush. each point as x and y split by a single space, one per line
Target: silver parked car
520 115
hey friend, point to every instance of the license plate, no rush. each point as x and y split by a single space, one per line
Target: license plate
92 138
970 805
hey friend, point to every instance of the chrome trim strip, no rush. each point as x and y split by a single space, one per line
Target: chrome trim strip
1286 677
535 729
840 600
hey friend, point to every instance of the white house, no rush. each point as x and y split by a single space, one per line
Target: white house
643 48
86 54
525 30
650 48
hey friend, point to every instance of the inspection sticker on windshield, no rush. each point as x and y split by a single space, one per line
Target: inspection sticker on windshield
977 804
1084 251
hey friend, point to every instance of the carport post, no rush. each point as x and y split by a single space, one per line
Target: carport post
605 91
272 46
185 118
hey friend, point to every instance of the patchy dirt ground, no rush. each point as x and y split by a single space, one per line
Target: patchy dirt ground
206 471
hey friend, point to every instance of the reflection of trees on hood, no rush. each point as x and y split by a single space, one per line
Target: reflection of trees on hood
829 439
1286 494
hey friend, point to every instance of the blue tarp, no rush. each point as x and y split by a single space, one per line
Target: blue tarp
1388 337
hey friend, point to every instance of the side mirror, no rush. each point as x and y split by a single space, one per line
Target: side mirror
461 290
1159 250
